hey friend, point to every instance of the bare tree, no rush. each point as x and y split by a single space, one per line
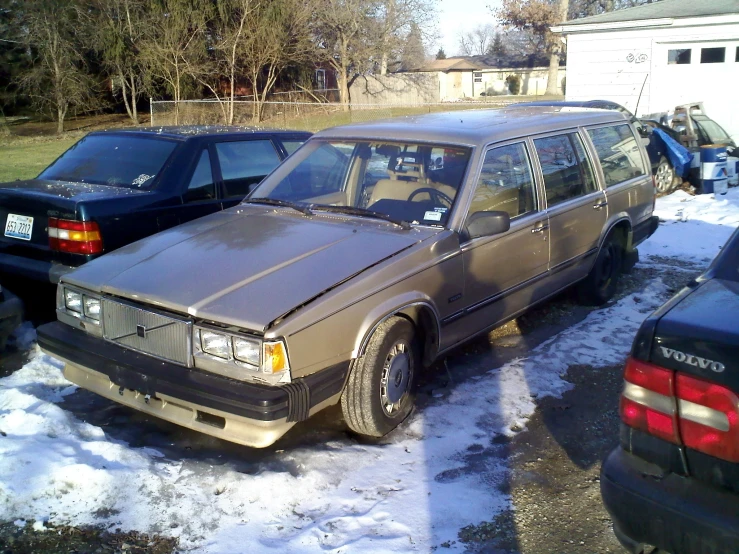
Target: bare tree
343 31
278 34
57 79
477 41
176 48
119 27
401 21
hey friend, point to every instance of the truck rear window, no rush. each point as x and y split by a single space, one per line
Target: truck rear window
113 160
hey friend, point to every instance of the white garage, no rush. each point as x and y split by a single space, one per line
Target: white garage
655 56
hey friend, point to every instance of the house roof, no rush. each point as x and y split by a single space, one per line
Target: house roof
471 63
674 9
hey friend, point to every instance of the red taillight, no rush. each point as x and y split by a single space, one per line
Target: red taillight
75 237
648 402
709 417
681 409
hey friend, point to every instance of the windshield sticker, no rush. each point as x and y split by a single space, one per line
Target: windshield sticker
440 210
432 216
141 179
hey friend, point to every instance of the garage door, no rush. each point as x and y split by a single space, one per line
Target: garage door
705 72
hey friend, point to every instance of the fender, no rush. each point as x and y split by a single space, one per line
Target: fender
408 304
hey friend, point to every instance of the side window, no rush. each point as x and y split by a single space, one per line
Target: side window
618 152
244 164
567 175
505 182
292 145
201 185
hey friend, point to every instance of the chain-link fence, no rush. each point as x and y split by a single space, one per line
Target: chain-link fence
307 116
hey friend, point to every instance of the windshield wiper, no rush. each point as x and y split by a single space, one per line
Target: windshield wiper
303 209
351 210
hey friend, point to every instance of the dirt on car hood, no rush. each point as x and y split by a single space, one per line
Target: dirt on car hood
246 266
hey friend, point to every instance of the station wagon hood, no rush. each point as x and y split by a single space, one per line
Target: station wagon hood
246 266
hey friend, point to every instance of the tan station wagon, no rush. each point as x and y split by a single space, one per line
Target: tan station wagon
372 251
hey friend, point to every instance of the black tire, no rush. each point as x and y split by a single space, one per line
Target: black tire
379 391
664 176
600 284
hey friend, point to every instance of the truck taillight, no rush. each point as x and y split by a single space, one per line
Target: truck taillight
681 409
74 237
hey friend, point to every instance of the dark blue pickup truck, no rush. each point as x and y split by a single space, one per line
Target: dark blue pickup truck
115 187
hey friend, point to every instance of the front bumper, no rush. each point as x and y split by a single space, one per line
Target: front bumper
246 413
37 270
674 513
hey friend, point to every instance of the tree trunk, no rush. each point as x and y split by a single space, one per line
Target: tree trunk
60 113
344 90
557 49
383 64
124 92
134 95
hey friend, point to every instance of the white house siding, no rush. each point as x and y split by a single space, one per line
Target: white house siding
615 64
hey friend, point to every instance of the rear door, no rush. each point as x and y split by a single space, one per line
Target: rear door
575 204
202 195
624 171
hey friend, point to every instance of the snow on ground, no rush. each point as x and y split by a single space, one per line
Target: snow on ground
410 494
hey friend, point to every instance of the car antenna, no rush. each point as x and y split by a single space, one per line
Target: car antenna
636 110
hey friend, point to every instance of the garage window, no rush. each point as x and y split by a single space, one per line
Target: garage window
618 152
678 56
736 58
713 55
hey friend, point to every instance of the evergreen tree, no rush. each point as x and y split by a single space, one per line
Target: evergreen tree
441 55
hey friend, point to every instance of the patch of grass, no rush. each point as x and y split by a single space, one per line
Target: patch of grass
24 159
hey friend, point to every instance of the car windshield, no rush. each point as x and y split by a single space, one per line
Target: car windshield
405 182
114 160
711 129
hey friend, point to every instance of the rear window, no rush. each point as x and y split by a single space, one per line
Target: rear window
618 152
114 160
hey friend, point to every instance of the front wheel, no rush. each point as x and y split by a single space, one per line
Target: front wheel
379 392
600 284
664 176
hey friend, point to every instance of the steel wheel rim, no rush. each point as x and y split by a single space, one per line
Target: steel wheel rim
397 374
663 178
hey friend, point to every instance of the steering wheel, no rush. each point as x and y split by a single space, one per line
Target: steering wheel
437 197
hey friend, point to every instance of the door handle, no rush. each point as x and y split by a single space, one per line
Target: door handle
539 229
600 204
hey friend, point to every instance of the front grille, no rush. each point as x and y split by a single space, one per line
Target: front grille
159 335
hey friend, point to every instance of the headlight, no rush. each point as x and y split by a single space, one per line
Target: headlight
92 307
73 301
241 357
216 344
247 350
78 307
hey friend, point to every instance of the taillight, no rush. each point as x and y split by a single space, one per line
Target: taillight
681 409
75 237
654 196
648 402
709 417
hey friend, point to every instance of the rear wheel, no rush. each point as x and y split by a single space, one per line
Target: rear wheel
600 284
664 176
379 392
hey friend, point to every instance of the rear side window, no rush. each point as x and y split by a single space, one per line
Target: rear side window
505 182
618 152
244 164
566 169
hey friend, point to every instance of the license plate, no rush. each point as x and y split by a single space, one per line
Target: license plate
19 227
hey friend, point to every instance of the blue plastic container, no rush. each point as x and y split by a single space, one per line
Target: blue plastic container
714 177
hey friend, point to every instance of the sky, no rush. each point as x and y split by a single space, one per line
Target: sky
456 15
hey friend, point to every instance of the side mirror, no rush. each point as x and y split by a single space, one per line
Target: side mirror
485 224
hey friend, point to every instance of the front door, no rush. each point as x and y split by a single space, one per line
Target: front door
503 273
576 205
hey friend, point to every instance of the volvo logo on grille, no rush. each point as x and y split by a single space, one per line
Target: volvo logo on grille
141 331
